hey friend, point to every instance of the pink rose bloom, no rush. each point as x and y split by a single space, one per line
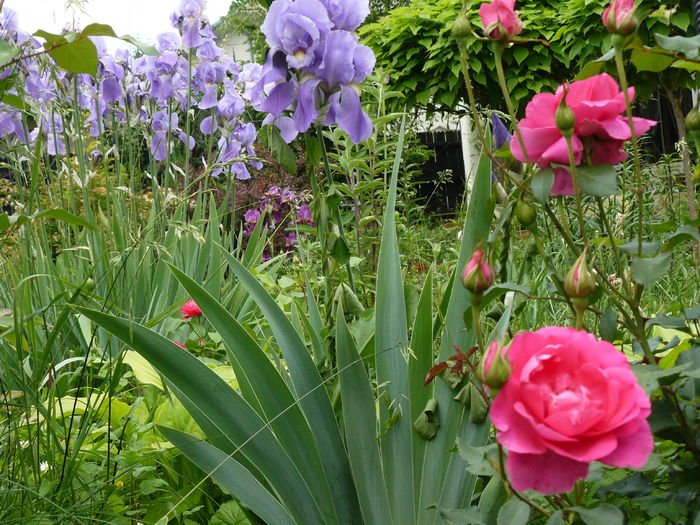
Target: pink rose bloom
499 19
190 309
599 135
570 400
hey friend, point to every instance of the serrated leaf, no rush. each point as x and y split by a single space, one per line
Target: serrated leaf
479 459
599 180
514 512
605 513
462 516
541 184
646 271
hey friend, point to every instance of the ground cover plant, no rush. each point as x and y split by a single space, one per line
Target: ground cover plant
184 342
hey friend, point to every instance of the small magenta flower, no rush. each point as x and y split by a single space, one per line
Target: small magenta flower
500 19
580 282
190 309
494 368
478 274
619 19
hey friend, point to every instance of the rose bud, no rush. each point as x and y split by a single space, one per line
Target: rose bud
500 20
619 19
564 117
494 368
461 28
478 274
580 282
525 212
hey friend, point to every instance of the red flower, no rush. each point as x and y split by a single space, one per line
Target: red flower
178 343
190 309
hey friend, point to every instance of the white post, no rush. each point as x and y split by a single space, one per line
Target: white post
469 153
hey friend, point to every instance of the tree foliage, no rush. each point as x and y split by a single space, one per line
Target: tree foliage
414 46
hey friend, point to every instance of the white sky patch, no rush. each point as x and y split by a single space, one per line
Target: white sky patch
142 19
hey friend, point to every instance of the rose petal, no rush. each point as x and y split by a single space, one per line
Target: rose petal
548 473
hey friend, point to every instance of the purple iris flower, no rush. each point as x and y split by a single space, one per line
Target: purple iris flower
347 14
499 131
51 129
304 215
168 41
162 125
209 51
207 78
189 18
297 28
11 122
38 85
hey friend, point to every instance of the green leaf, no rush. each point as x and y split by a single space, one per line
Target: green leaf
79 56
12 100
683 44
492 499
98 30
62 215
556 519
605 513
340 250
280 150
462 516
265 388
231 475
632 248
647 271
146 49
633 486
650 376
599 180
359 418
608 324
541 184
514 512
211 402
229 513
653 60
684 233
480 460
427 422
7 52
4 222
391 344
309 389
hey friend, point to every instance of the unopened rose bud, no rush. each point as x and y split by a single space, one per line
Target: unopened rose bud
525 213
461 28
494 368
580 282
478 274
564 117
500 20
619 19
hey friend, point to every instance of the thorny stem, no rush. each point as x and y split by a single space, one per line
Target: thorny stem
635 147
498 47
577 193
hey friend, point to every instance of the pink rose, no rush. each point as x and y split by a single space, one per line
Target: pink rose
478 274
190 309
599 133
569 400
619 18
499 19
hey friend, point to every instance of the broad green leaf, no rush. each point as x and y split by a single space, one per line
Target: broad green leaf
605 513
445 480
541 184
7 52
212 403
491 500
12 100
98 30
146 49
142 369
653 60
229 513
608 324
683 233
79 56
280 150
360 420
391 346
4 222
599 180
309 391
231 475
268 388
683 44
514 512
647 271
